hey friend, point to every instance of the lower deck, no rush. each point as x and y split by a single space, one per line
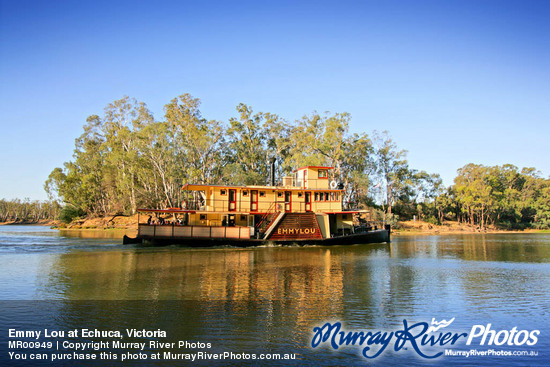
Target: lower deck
300 228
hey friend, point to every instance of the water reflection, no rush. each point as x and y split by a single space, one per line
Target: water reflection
490 247
381 282
98 233
272 297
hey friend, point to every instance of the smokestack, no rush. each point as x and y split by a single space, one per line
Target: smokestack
272 170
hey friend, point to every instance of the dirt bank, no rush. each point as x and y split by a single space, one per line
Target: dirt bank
448 227
108 222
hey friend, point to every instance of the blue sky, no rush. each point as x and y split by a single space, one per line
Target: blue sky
454 82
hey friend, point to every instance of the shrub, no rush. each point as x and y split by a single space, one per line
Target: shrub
69 213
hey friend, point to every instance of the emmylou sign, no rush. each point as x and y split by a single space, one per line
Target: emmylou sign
297 226
296 230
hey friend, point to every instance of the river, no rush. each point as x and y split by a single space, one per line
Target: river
265 302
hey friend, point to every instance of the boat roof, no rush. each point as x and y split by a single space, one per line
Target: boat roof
197 187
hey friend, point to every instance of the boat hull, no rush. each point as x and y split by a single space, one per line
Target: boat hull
375 236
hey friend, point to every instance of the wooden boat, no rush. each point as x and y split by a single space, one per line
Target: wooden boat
306 209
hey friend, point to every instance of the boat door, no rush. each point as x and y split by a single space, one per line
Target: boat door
308 201
253 200
288 201
232 200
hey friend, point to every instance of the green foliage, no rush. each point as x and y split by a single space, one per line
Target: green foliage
501 195
325 141
69 213
431 219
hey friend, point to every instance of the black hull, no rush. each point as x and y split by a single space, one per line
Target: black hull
376 236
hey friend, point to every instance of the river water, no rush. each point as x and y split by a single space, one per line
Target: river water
256 301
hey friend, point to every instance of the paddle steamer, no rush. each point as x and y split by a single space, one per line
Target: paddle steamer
306 209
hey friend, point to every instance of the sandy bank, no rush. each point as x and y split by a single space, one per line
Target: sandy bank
405 228
108 222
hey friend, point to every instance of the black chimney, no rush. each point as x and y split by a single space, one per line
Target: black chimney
272 171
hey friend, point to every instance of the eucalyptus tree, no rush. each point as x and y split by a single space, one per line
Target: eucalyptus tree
249 146
199 141
325 140
161 172
80 182
306 135
102 178
277 133
121 123
392 169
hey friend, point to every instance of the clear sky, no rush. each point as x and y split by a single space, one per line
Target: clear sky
454 82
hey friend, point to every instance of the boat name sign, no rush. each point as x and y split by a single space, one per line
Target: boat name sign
296 230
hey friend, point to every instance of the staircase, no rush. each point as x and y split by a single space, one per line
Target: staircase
296 226
273 224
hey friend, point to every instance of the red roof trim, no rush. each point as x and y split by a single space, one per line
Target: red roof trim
171 210
347 212
318 167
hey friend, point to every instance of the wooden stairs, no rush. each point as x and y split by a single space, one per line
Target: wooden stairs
297 226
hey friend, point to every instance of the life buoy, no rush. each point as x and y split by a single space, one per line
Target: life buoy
333 185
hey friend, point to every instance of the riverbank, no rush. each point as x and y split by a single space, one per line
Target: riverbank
109 222
419 227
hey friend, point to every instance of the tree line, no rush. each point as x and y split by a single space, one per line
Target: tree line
27 211
504 196
126 159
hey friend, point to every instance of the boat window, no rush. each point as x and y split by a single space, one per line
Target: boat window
299 194
279 194
321 197
323 173
203 217
262 194
316 196
223 192
332 196
336 196
326 196
243 218
245 193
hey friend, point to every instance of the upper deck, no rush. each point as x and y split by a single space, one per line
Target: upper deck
309 190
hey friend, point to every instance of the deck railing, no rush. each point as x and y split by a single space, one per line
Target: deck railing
261 206
177 231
